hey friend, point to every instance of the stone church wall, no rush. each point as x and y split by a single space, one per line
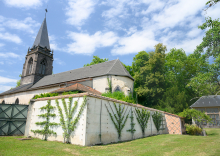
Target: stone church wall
125 84
25 97
95 121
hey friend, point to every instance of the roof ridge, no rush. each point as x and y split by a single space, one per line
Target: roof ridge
112 66
80 68
124 68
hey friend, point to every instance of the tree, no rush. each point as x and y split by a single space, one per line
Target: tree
196 115
18 82
96 60
140 60
211 41
150 80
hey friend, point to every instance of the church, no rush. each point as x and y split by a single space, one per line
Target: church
37 76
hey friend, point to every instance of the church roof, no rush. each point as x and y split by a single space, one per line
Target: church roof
42 38
207 101
79 87
114 67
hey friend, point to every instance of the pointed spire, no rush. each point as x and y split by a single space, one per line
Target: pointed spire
42 38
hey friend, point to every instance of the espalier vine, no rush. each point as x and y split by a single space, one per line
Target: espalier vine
120 118
142 118
157 118
68 123
46 131
132 130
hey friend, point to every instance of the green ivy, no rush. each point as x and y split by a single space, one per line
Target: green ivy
142 118
132 130
46 131
157 118
118 118
68 123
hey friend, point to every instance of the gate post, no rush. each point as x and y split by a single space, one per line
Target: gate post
29 114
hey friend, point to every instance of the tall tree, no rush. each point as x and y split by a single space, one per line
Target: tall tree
150 80
96 60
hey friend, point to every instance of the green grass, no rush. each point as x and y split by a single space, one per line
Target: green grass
155 145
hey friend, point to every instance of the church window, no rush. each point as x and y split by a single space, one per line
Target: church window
43 66
3 102
30 65
117 89
17 101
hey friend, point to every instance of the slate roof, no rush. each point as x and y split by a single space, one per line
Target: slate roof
42 38
79 87
207 101
18 89
114 67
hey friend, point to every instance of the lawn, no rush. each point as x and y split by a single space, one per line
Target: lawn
154 145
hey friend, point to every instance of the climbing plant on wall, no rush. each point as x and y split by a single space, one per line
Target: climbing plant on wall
46 131
68 123
109 84
132 130
142 118
119 119
157 118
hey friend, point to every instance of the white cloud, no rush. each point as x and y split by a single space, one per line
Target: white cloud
78 11
1 45
23 3
5 88
10 37
142 40
58 61
9 55
213 11
26 25
86 44
4 80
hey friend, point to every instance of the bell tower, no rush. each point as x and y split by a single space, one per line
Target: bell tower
39 59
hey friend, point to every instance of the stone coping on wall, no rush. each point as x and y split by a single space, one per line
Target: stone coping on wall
101 97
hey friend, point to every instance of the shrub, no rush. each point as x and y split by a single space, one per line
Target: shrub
70 92
193 129
119 96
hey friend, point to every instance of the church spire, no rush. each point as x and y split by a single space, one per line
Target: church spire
42 38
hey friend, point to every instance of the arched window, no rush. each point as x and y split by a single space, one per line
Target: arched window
3 102
30 65
117 89
43 66
17 101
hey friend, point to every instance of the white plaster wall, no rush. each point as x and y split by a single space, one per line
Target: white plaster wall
24 97
77 137
124 82
100 83
108 131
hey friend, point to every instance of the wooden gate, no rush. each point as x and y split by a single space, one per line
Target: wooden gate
12 119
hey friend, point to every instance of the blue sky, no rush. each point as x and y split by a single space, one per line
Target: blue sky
79 29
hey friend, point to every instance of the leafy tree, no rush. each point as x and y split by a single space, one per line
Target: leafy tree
211 41
198 116
96 60
140 60
19 82
173 101
150 80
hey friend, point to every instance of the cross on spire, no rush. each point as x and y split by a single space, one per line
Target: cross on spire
46 12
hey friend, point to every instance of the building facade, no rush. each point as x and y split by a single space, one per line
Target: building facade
210 105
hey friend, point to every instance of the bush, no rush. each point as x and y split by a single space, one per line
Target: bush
70 92
193 129
120 96
53 94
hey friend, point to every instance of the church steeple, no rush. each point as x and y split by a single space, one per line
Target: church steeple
39 59
42 38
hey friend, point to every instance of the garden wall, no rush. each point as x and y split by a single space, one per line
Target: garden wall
95 125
